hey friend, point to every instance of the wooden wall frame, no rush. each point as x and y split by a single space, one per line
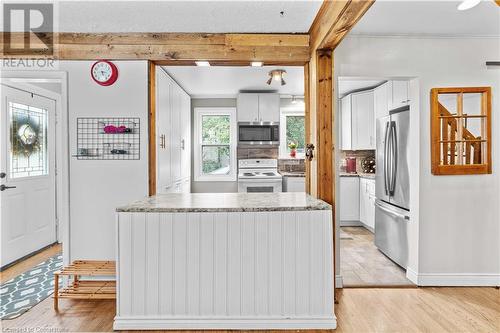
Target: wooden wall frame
454 149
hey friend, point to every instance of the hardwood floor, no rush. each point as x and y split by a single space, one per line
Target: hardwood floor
362 264
359 311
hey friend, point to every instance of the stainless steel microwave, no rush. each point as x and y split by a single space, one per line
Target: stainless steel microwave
258 134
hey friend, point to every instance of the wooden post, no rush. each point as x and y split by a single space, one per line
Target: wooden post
152 127
324 125
307 123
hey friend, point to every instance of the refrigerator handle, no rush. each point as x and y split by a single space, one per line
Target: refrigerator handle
391 212
386 164
394 154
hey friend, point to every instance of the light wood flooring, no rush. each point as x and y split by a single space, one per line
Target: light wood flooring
358 311
362 264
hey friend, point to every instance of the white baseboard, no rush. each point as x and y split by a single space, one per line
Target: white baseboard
148 323
453 279
351 224
339 282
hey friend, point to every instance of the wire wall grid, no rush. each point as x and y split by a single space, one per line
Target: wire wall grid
108 139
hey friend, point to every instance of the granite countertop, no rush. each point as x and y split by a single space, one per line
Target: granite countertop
226 202
362 175
292 174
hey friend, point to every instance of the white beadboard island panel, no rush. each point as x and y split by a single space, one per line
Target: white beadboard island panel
262 269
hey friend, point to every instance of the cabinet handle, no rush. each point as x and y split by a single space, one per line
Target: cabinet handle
183 144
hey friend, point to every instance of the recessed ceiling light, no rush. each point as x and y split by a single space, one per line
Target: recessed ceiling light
202 63
256 63
468 4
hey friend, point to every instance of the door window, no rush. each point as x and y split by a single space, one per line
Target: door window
28 153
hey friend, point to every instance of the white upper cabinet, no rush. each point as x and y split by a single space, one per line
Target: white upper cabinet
269 107
400 94
345 123
248 107
253 107
381 100
363 121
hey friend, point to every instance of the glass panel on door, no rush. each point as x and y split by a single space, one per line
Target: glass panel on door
28 153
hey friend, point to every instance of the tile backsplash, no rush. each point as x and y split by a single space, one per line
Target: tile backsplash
245 153
291 165
358 154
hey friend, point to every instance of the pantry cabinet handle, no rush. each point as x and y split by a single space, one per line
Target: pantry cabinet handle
182 144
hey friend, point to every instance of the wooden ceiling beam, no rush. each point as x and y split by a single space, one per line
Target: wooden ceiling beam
334 20
182 47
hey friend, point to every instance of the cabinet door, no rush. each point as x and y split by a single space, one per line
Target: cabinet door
175 139
380 105
345 123
163 131
185 135
248 107
399 94
370 204
349 198
269 107
295 184
363 198
363 126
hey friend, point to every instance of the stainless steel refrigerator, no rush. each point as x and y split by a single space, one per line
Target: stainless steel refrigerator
392 205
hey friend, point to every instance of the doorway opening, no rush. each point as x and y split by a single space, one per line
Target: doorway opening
222 107
33 166
374 181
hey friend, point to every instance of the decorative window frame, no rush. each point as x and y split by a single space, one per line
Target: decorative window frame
199 112
460 167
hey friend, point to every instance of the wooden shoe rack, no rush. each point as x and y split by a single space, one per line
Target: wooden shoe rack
86 289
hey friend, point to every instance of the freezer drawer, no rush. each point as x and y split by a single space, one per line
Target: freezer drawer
391 235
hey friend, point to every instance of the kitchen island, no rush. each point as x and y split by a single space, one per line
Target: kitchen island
225 261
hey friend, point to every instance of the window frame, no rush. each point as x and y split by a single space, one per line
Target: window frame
437 168
199 112
286 112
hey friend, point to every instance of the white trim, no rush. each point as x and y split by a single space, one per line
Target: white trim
23 77
422 36
198 113
256 323
412 275
339 281
453 279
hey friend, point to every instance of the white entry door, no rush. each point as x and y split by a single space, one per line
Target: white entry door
27 167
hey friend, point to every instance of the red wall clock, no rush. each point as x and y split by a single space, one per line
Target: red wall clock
104 72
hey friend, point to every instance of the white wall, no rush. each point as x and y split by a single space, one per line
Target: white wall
459 222
98 187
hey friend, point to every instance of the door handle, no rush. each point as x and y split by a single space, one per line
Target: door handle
394 157
3 174
183 144
3 187
386 164
406 217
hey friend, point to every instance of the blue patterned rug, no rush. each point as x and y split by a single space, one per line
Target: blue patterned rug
21 293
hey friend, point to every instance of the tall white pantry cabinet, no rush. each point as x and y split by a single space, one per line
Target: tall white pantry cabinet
173 134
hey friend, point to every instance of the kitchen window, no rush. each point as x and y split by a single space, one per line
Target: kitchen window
215 144
292 124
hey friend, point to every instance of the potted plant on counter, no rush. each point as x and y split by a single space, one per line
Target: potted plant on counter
293 149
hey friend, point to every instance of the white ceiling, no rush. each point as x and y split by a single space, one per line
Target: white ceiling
187 16
439 18
348 85
226 82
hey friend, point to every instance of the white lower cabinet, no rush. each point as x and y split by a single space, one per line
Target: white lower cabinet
294 184
367 202
349 198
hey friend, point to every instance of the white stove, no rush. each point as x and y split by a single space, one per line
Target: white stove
259 175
